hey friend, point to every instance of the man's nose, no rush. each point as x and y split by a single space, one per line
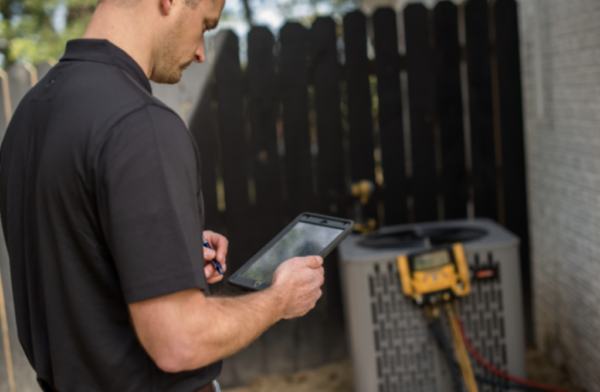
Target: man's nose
199 55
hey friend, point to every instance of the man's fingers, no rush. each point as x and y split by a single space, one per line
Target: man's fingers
321 271
209 254
314 262
211 271
222 246
215 279
219 243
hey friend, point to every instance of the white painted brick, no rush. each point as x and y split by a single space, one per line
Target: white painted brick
563 152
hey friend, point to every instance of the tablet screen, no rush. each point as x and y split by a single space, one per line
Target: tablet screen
304 239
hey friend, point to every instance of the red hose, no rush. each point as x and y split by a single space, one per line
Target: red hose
499 372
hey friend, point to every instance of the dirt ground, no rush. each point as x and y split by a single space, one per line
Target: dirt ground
332 377
540 369
337 377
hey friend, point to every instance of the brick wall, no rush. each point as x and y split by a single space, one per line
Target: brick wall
561 80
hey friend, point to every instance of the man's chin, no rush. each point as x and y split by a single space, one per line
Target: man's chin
172 78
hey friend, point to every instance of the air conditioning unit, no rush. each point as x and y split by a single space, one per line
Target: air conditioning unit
391 347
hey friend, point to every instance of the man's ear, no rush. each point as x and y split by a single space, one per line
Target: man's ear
166 6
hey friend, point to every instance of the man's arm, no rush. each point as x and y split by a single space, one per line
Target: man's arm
186 330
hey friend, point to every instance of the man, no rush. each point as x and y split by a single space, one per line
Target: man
103 217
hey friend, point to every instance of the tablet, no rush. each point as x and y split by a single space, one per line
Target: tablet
309 234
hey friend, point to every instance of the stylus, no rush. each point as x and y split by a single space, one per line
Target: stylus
214 261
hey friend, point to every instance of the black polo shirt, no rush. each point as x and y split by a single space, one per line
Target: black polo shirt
101 207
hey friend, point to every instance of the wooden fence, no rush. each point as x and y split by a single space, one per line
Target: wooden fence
437 126
15 372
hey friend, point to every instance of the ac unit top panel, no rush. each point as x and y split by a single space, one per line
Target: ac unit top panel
492 237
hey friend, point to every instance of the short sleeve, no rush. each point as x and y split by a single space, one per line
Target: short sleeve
147 176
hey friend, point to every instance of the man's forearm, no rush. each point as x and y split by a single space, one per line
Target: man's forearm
238 322
186 330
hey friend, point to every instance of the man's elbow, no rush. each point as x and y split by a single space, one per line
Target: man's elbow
178 357
174 342
171 363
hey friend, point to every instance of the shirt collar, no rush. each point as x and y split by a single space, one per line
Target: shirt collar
103 51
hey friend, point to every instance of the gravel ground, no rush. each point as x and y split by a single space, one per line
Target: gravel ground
337 377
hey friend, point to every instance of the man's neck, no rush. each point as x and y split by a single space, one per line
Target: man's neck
128 28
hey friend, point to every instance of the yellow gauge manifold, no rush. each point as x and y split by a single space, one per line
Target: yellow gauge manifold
435 275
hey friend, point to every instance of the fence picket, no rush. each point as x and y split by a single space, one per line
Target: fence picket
8 342
5 103
263 112
481 111
20 80
203 128
450 110
42 69
513 137
331 174
360 121
294 95
298 163
229 88
330 159
390 115
421 106
238 213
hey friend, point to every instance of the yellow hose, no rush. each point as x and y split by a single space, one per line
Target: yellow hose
461 351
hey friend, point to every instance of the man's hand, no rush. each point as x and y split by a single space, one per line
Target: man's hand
298 282
219 245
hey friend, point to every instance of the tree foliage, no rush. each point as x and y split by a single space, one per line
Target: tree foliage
37 30
32 30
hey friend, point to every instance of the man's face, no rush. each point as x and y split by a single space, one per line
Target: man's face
183 43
